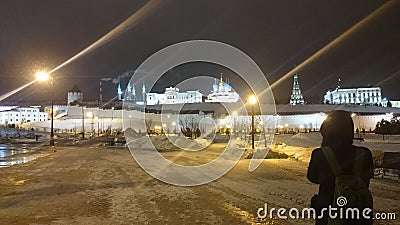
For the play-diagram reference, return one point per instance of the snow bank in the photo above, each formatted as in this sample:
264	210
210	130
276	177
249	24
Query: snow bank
168	143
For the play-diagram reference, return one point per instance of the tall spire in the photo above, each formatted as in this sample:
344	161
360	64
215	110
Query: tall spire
133	89
339	82
128	92
119	91
144	93
143	88
296	96
129	88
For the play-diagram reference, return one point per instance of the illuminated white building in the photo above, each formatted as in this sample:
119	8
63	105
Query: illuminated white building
359	96
222	92
395	104
173	96
19	115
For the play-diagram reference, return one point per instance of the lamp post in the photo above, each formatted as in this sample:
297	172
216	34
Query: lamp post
83	122
43	76
252	101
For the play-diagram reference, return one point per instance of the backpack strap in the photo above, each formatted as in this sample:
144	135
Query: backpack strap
358	161
331	158
333	163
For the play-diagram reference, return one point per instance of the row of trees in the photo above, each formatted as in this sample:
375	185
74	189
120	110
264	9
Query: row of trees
388	127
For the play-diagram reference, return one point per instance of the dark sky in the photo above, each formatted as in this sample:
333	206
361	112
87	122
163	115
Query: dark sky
276	34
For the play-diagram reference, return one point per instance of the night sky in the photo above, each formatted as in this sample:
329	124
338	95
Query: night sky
277	35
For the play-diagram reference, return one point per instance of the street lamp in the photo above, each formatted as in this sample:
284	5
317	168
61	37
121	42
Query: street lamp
252	100
44	76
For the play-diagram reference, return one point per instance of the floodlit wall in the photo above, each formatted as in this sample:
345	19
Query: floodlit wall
103	119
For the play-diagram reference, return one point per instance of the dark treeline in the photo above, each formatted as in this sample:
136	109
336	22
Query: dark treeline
388	127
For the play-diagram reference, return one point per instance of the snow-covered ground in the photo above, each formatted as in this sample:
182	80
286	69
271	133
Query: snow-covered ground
301	145
391	143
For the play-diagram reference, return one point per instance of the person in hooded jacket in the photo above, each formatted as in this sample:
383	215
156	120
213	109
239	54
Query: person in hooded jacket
337	132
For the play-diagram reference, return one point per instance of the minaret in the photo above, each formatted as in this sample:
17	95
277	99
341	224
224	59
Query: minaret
144	93
128	92
296	97
119	91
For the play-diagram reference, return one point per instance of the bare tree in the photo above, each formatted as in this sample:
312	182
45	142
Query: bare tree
267	126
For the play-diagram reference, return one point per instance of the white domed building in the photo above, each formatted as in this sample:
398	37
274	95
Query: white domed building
222	92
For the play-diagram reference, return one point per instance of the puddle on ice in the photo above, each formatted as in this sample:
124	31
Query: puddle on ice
15	154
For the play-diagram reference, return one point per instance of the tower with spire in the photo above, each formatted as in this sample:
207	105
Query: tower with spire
296	97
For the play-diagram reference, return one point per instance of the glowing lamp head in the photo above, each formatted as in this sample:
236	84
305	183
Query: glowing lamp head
252	99
42	76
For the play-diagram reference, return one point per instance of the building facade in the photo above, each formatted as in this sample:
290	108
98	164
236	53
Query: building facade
173	96
394	103
359	96
220	92
19	115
